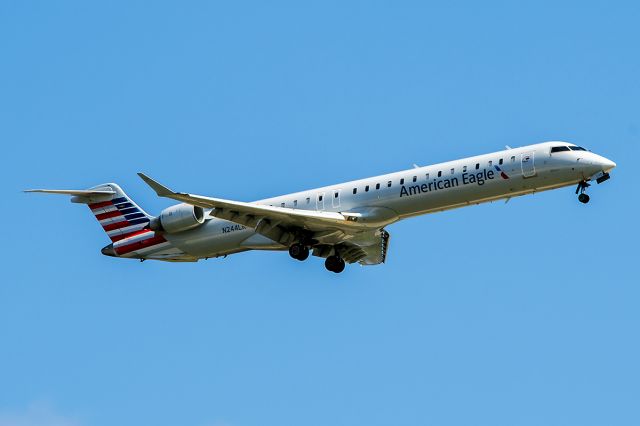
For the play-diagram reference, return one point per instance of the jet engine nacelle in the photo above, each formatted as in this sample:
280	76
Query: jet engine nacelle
178	218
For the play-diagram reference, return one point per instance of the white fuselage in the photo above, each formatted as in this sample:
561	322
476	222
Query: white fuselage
417	191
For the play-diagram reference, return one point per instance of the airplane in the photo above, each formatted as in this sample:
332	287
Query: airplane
342	223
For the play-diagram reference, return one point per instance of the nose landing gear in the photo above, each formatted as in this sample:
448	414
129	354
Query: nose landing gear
582	187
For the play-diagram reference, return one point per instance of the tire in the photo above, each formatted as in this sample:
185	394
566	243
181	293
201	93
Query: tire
334	264
304	254
295	250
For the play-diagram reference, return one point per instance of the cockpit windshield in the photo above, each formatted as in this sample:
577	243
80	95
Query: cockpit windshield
577	148
559	148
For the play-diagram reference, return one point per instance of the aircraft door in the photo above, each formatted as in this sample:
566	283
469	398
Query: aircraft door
528	164
335	199
320	201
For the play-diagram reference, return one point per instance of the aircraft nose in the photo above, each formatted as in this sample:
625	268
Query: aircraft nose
607	164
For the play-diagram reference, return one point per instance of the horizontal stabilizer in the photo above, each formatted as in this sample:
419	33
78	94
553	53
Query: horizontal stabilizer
78	192
96	194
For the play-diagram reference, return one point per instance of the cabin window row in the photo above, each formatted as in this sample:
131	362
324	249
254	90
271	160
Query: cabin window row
451	171
402	180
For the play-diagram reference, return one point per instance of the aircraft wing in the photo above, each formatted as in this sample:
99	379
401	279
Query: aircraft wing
277	223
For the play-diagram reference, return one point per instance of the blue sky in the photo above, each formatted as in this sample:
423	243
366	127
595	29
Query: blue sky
517	314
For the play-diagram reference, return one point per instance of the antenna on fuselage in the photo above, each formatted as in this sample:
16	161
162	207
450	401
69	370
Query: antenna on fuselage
415	166
508	147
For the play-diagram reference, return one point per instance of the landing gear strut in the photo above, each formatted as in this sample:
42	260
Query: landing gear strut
298	251
334	264
582	186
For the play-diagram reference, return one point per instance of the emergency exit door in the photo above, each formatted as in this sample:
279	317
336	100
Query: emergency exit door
528	164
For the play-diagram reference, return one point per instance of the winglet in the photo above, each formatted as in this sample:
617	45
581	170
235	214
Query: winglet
160	189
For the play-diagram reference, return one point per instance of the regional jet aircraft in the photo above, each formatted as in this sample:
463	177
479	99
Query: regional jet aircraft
342	223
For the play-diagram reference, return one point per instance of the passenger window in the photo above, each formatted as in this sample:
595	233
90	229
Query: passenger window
452	171
366	188
500	162
427	176
490	163
402	181
415	178
377	186
477	166
513	158
308	200
439	173
335	194
320	198
295	203
464	168
389	184
281	204
355	190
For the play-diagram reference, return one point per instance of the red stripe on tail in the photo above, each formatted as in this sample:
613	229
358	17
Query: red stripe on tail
99	205
116	225
140	245
108	215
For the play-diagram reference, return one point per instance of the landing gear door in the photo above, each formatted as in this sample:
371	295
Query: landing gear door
320	201
528	164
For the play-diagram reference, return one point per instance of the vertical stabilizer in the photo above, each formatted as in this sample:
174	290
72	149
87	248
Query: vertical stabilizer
119	215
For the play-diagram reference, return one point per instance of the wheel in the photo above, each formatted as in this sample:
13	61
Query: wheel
295	250
583	198
304	254
334	264
298	251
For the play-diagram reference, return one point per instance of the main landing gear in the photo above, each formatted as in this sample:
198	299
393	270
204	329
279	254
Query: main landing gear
334	264
299	251
582	197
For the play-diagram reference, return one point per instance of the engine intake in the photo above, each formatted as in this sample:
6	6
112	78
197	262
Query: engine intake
178	218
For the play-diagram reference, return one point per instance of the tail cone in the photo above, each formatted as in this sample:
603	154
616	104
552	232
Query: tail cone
108	251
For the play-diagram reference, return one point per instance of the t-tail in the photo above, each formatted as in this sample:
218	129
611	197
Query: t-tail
125	223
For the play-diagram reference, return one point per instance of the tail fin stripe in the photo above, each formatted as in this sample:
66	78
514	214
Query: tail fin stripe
117	225
119	200
135	237
112	220
135	234
134	215
103	210
108	215
125	230
124	205
117	238
140	244
137	221
124	224
99	205
129	210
